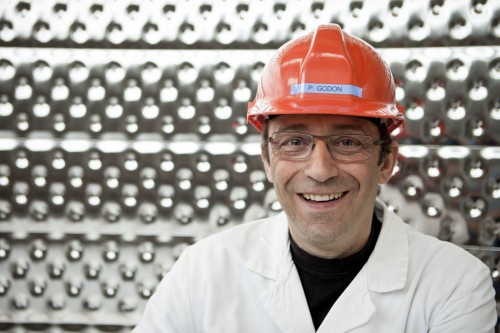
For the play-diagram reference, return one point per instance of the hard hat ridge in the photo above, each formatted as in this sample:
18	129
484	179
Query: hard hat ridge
327	50
326	72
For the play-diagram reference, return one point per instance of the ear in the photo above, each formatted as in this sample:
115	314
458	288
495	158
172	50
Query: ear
387	167
264	156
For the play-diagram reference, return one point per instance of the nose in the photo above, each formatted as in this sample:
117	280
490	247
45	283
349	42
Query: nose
320	164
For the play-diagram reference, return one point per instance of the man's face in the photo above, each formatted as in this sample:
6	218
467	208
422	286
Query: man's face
336	227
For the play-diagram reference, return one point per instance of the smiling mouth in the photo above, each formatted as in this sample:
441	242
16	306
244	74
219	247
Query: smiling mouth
323	197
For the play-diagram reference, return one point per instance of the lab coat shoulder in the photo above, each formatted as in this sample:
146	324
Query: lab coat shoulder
203	290
459	285
446	289
411	283
238	241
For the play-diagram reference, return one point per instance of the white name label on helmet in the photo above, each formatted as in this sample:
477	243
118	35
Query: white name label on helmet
323	88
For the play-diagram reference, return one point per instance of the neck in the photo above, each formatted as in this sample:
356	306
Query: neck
336	248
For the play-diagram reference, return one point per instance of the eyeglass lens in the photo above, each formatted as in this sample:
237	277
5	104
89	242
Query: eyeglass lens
346	147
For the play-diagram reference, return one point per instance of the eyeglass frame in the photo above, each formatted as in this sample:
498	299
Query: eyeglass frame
326	138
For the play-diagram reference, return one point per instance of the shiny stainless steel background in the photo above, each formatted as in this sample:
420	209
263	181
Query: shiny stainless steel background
123	137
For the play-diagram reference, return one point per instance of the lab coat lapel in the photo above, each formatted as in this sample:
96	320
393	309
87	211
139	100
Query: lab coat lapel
387	268
284	298
286	303
386	271
352	309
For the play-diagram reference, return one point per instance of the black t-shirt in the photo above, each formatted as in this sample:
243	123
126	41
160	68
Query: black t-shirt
324	280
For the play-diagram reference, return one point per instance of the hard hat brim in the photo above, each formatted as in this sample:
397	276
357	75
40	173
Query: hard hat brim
347	107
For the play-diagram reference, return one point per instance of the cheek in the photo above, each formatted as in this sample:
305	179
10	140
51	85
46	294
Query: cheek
267	166
279	172
268	171
366	176
273	174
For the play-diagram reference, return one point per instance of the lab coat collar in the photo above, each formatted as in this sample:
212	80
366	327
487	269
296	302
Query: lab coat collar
271	252
387	267
284	300
385	271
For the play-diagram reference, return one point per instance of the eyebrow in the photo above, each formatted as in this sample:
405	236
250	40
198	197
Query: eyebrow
303	127
292	127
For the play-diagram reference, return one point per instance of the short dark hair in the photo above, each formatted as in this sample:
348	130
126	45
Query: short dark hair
385	147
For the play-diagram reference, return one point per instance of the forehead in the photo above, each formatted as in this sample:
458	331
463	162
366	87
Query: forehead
322	124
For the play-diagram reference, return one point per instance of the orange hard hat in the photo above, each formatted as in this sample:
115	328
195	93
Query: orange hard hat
326	72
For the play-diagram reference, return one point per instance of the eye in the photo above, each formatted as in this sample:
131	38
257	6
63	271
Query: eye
292	140
348	141
296	141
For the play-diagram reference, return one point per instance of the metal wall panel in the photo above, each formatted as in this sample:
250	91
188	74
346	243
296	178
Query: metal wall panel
123	137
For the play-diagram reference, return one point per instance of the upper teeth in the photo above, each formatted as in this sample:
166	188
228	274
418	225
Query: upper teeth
322	197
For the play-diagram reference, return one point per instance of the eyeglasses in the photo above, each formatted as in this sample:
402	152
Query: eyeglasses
345	147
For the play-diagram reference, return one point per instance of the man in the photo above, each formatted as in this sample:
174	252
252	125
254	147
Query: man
336	259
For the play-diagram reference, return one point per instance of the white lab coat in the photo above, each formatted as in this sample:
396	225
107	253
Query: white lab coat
244	280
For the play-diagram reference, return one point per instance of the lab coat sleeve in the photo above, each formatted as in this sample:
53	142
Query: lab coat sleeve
169	309
470	307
